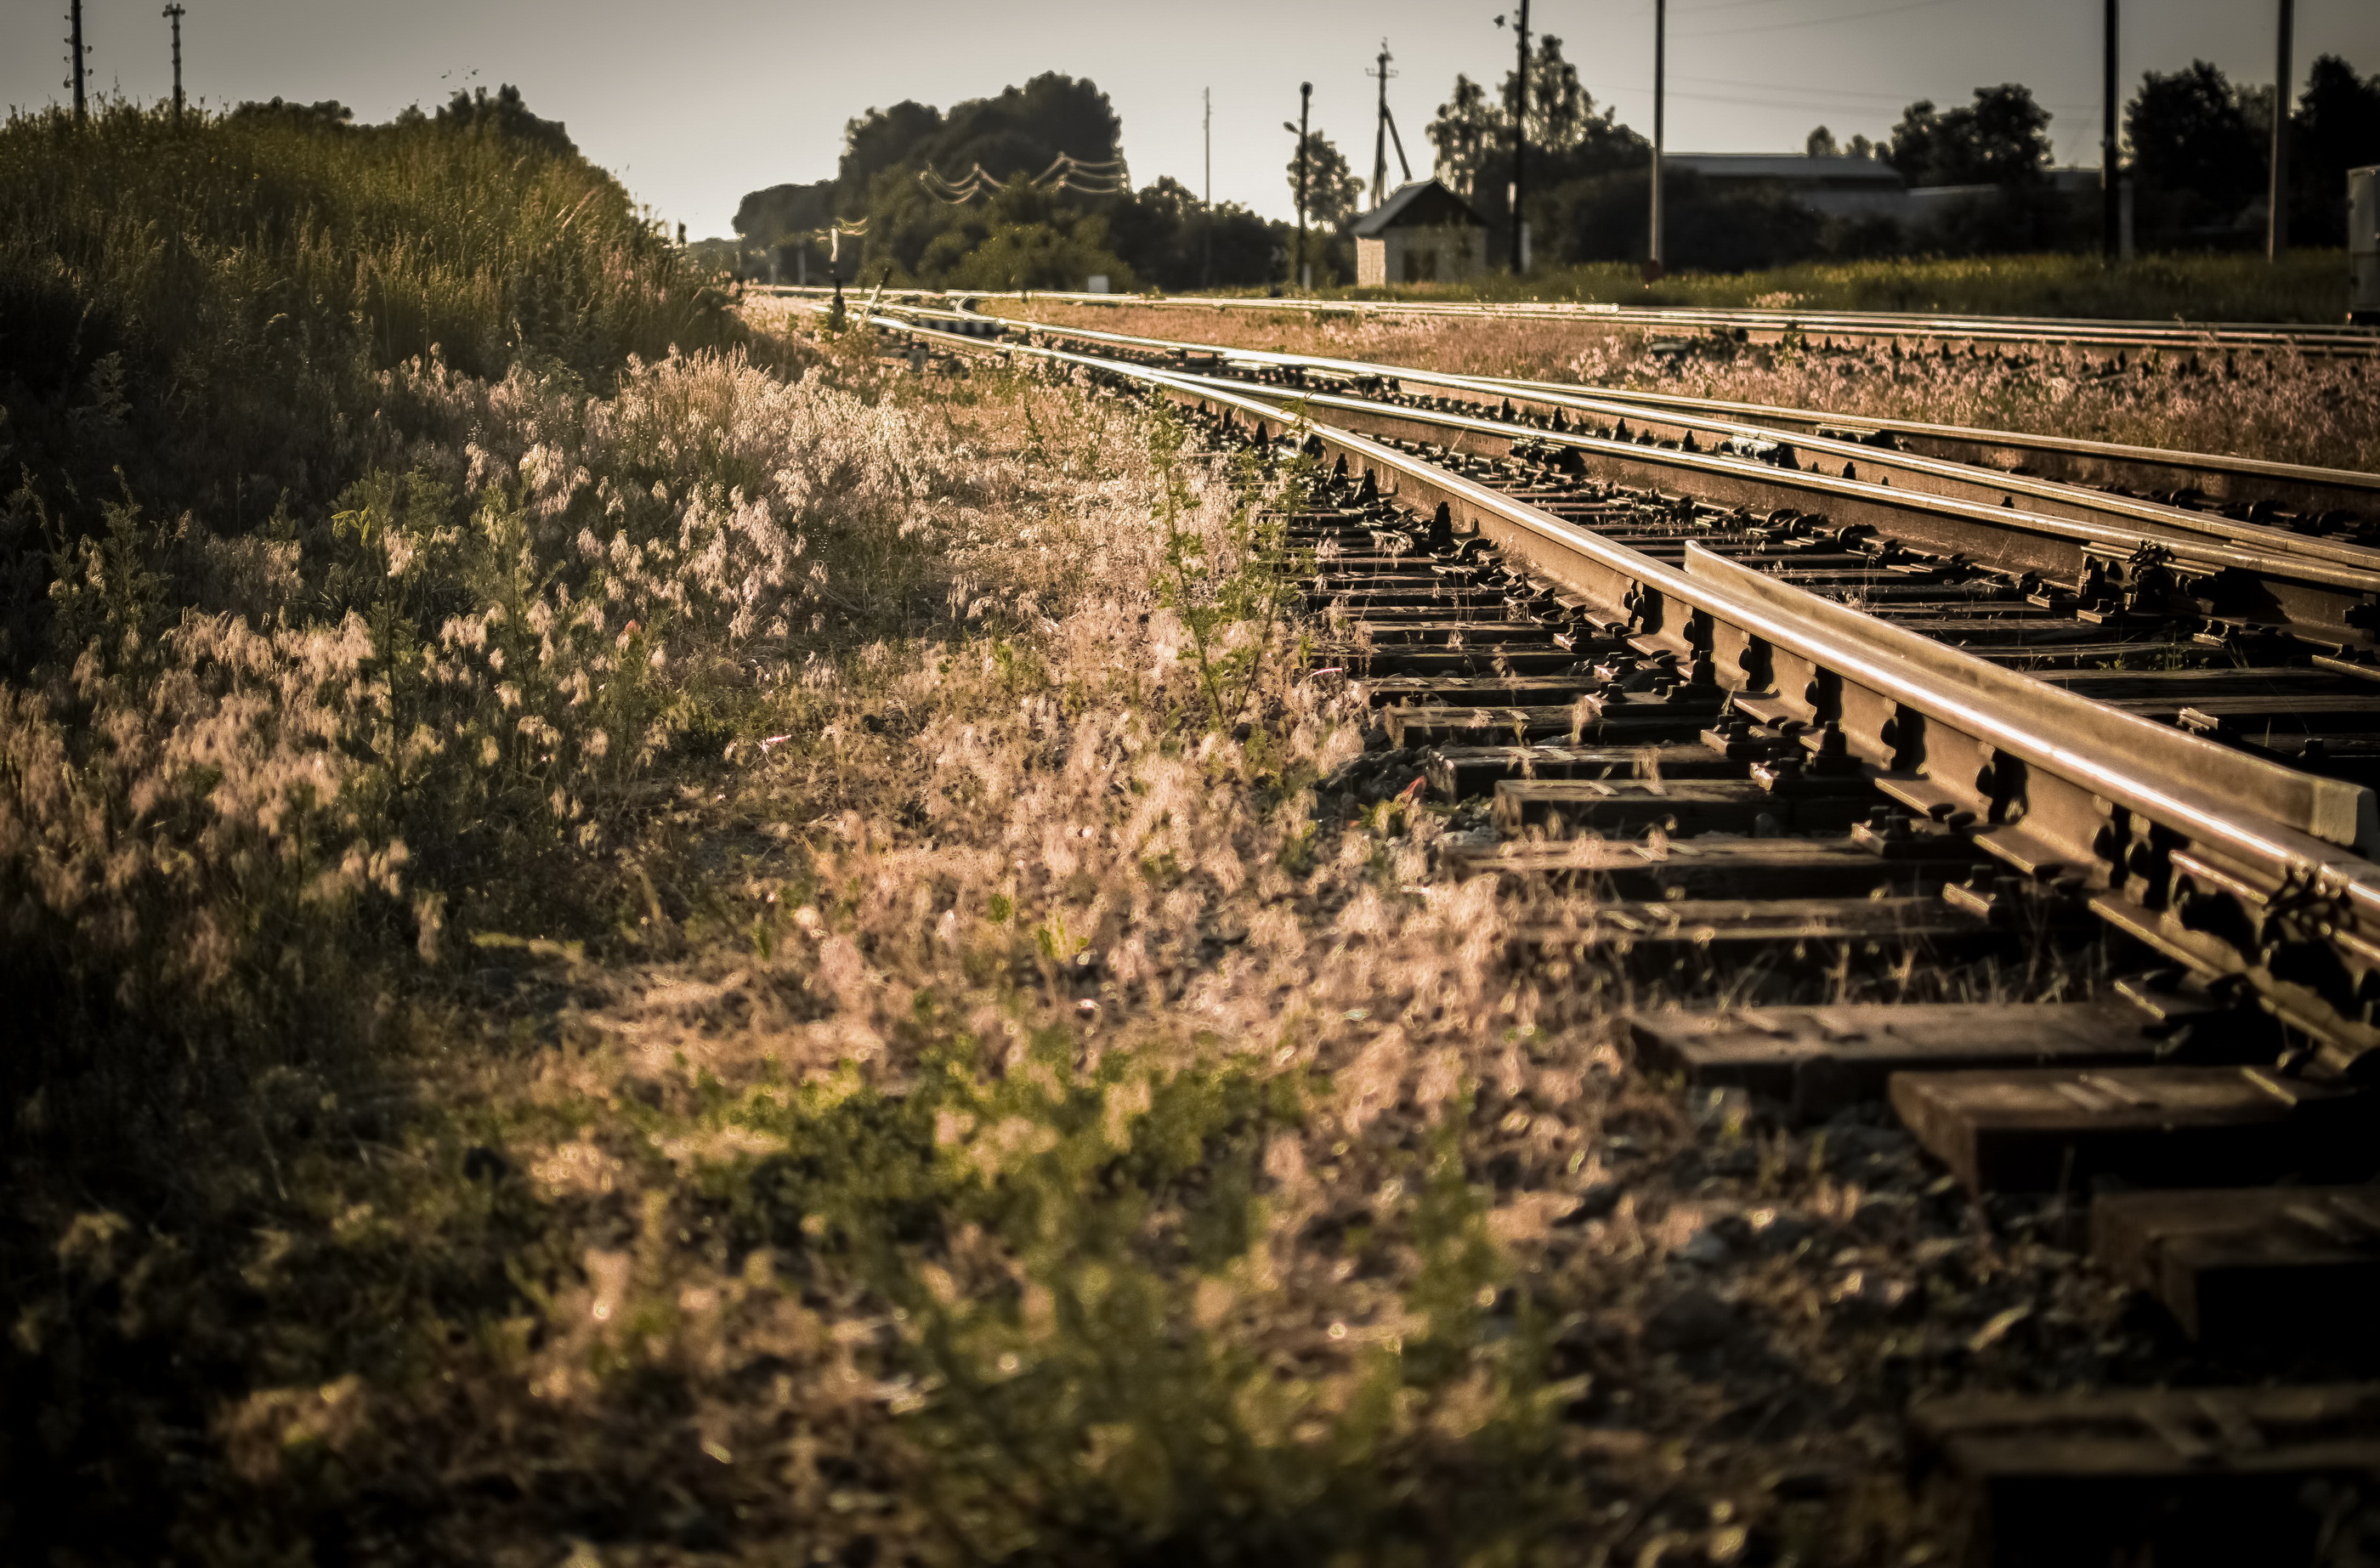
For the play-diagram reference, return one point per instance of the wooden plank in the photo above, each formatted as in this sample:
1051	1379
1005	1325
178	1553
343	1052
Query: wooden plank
1445	633
1408	726
1816	925
2250	1266
1483	691
2172	1477
1563	807
2057	1129
1493	660
1703	866
1818	1060
1460	771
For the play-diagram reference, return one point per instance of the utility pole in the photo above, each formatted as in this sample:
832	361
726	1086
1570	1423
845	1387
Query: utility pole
1300	276
1661	75
173	13
2110	198
77	71
2277	226
1207	213
1381	132
1521	140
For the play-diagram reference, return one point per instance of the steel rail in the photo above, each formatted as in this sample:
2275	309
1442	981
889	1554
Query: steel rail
2080	461
1939	474
2246	871
1901	326
2251	574
2311	596
2029	332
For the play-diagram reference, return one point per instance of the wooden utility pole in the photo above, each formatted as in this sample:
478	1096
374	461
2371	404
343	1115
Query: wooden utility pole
1206	201
1521	140
1654	260
1297	272
2110	199
1381	132
174	14
77	71
2276	224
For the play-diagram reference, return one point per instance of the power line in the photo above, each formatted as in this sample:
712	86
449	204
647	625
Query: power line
1092	176
1826	21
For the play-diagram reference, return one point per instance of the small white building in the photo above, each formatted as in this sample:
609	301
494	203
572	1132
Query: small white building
1424	233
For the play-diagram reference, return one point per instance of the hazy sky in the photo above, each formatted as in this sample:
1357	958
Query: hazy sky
695	102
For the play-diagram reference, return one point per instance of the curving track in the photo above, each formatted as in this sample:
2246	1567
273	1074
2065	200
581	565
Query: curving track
1805	751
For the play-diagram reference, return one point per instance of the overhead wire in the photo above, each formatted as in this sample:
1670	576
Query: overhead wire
1090	176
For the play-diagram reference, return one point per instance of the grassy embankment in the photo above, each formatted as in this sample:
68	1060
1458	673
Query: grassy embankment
2308	285
2274	405
636	950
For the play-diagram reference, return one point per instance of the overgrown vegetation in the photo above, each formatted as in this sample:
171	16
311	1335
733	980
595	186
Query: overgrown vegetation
538	1021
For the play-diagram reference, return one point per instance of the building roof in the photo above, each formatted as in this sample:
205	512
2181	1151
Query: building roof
1840	169
1424	203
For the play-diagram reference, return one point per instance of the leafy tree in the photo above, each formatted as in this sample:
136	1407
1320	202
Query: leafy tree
1465	132
878	142
1560	112
2000	139
2193	152
507	116
1023	235
1332	191
1570	143
771	215
1173	240
2336	127
327	114
1820	143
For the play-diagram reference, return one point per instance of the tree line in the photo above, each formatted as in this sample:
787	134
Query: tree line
2195	147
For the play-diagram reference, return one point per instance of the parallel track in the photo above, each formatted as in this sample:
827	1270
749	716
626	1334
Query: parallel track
1931	329
2298	498
2061	548
1629	690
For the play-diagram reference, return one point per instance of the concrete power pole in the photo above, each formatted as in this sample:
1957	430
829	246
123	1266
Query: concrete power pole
2110	199
1300	274
2277	226
77	73
1521	143
1207	210
174	14
1654	261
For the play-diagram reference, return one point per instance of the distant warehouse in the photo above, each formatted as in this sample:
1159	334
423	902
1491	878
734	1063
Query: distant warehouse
1842	186
1424	233
1835	187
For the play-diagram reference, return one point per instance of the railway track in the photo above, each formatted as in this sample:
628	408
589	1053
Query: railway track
2145	482
1929	330
1910	329
2032	571
1629	683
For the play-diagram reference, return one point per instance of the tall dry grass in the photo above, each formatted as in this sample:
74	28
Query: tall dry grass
196	311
